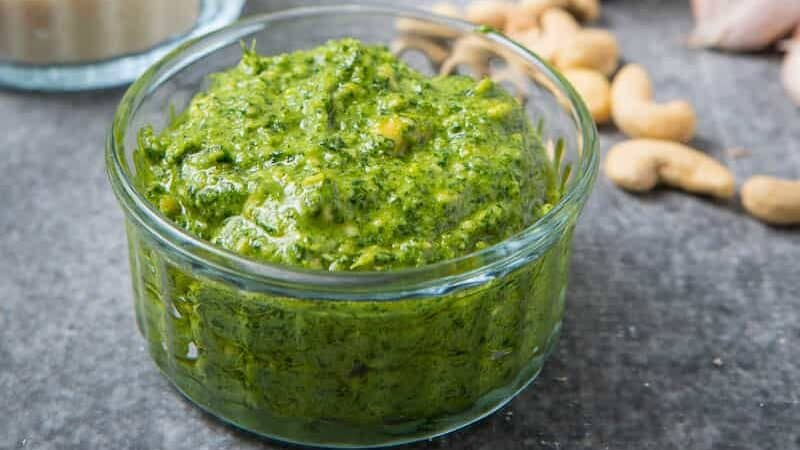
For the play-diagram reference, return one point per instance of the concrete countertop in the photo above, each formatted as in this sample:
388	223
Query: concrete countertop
683	320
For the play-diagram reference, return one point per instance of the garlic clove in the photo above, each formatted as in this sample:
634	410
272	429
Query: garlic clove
791	67
743	25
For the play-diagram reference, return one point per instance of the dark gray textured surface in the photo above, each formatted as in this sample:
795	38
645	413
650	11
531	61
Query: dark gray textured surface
662	285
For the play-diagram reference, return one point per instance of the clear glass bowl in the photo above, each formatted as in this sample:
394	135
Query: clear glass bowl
349	359
52	17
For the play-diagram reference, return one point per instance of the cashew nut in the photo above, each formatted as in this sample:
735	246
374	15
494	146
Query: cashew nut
430	29
640	164
561	41
557	26
471	51
585	10
493	13
595	90
590	48
435	52
772	200
638	116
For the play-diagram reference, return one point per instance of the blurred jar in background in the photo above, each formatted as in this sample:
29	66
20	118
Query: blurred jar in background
65	45
70	31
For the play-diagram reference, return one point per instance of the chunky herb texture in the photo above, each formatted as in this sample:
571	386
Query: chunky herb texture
344	158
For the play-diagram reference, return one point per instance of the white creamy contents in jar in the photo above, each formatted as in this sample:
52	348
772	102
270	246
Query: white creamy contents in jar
73	31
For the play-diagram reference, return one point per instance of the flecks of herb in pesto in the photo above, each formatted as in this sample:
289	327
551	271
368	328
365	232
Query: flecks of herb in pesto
344	158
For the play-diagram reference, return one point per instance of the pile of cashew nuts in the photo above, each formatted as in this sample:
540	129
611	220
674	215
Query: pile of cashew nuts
657	153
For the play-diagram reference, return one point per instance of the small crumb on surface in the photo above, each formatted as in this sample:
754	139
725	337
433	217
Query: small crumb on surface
737	153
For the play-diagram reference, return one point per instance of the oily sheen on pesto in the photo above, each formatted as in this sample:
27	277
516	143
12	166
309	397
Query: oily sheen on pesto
342	158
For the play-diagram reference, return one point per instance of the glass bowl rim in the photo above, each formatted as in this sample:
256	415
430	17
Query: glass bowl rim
432	279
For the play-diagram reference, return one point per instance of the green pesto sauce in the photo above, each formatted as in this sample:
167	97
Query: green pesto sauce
344	158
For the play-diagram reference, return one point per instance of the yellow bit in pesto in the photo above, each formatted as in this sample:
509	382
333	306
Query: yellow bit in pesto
344	158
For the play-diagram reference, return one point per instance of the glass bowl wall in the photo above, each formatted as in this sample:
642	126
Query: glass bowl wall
351	359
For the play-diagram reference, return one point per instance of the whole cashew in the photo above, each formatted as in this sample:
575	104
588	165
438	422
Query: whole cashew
430	29
561	41
471	51
638	116
556	27
437	53
590	48
640	164
595	90
772	200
